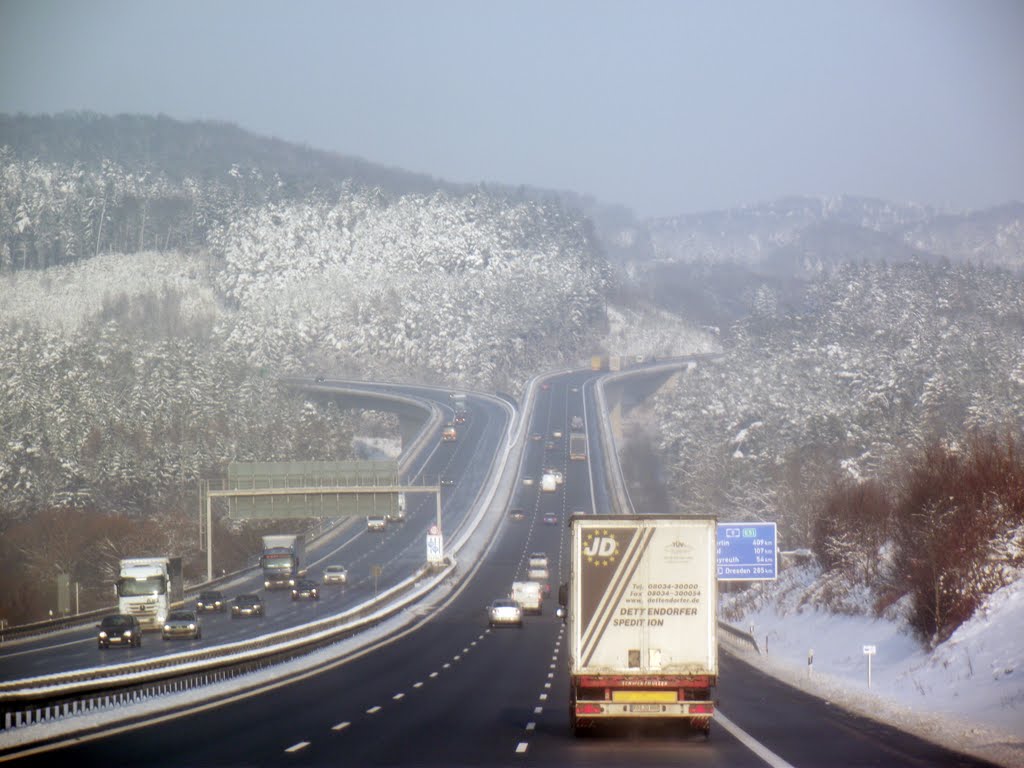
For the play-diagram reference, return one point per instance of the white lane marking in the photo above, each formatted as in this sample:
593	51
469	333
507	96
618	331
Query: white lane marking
530	726
418	685
297	747
372	710
551	666
481	636
446	665
433	674
465	650
456	657
538	710
472	644
550	675
750	742
521	747
341	726
543	697
398	696
547	685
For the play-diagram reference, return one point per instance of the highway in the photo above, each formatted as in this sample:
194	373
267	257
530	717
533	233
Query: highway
398	552
448	691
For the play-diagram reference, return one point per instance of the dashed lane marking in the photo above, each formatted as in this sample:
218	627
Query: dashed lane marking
297	747
398	696
341	726
521	747
418	685
372	710
530	726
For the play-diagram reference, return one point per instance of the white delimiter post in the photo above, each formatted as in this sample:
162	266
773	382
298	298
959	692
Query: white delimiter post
869	651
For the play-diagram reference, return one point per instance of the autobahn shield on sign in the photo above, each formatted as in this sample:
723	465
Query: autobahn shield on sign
747	552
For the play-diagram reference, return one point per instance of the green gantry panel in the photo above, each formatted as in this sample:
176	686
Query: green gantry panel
312	474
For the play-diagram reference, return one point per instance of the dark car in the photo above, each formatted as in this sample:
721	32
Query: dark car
516	513
182	623
211	601
247	605
119	629
305	589
536	436
550	518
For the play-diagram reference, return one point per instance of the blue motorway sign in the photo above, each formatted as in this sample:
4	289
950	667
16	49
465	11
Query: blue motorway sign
747	552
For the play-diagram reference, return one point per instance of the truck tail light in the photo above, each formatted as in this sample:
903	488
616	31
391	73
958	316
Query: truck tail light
702	709
589	709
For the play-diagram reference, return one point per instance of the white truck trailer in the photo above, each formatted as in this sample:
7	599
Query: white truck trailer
641	615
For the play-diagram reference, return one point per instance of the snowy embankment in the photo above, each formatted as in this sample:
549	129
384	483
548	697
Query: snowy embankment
967	694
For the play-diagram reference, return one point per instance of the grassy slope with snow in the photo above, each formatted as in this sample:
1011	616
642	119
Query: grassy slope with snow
968	693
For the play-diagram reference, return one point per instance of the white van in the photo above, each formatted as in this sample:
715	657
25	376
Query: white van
529	595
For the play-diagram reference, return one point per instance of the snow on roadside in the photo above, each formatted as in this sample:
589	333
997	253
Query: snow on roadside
967	694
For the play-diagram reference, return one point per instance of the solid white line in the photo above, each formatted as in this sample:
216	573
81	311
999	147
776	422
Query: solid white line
297	747
521	747
750	742
372	710
341	726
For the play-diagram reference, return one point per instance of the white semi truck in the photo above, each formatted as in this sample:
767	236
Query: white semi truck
640	606
148	587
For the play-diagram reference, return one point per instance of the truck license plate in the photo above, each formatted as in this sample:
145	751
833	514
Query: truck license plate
645	708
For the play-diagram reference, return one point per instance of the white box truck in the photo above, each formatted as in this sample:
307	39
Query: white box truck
641	615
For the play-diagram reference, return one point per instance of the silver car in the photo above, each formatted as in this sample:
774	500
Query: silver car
184	624
504	611
335	574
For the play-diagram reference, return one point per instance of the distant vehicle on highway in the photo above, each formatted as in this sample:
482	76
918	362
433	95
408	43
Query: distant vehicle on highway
182	624
449	433
517	513
119	629
528	481
550	518
376	523
504	611
305	590
536	436
247	605
335	574
211	601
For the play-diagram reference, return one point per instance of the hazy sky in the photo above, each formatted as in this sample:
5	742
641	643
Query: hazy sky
667	107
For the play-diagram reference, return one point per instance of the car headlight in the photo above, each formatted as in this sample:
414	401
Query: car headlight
103	635
192	627
127	633
167	627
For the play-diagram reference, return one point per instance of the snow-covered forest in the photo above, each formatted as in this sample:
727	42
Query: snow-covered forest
885	364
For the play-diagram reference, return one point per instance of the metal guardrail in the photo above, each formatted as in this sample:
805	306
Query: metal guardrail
739	634
34	700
